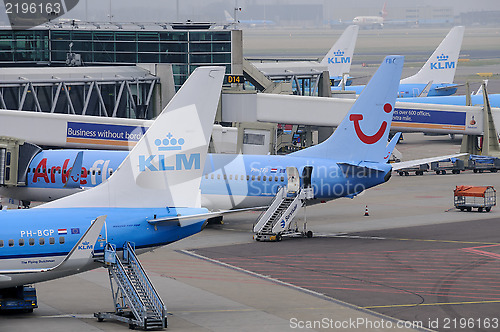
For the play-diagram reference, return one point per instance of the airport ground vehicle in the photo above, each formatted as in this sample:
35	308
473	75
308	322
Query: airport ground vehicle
480	197
479	164
18	298
454	165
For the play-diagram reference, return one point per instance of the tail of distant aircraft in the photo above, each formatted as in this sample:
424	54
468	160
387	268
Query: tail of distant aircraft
383	12
362	135
442	65
164	168
339	57
228	16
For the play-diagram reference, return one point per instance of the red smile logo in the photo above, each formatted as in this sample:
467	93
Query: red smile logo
366	138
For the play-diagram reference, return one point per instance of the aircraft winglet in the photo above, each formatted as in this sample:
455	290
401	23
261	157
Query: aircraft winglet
76	170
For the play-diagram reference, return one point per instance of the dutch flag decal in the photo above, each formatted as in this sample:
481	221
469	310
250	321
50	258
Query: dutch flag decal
62	231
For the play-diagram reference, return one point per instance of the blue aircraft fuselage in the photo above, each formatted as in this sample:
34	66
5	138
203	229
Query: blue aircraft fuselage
410	90
228	181
457	100
41	238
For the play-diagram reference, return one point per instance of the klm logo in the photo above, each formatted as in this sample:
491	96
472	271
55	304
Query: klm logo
443	63
339	58
182	160
85	246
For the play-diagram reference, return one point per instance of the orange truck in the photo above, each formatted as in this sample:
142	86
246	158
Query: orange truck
480	197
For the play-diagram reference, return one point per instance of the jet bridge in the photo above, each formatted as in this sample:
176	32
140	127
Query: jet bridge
329	112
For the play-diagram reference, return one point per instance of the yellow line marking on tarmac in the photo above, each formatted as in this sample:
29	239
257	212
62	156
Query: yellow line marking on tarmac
429	304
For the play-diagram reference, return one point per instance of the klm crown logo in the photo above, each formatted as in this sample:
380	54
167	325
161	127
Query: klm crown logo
158	162
442	57
169	143
442	63
339	58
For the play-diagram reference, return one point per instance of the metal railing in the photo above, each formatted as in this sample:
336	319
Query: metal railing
150	292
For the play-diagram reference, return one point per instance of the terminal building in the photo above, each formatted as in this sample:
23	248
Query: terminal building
184	46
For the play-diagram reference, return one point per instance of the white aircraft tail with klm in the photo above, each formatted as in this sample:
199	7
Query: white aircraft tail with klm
442	64
339	57
165	166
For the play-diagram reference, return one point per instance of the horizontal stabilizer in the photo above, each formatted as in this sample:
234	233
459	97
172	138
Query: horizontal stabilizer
187	220
448	87
364	167
411	163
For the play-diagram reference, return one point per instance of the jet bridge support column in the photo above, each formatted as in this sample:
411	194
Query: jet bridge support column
489	146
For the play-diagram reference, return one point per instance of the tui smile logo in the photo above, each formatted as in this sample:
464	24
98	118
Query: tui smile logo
367	139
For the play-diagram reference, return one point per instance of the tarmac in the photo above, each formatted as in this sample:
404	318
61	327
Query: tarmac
414	260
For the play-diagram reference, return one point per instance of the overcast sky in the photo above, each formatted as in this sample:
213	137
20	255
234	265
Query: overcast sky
212	10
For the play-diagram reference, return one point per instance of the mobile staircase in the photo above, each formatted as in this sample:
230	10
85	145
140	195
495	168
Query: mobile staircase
136	300
276	221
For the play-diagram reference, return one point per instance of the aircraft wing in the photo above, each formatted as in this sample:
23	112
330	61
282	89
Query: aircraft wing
411	163
77	253
448	87
187	220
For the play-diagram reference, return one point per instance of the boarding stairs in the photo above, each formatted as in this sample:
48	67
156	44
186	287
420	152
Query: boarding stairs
276	221
134	296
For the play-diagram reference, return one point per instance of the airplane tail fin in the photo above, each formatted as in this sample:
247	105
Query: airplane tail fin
442	65
363	134
228	16
164	168
383	12
339	57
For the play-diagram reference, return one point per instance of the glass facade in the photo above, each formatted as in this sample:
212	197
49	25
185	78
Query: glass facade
184	49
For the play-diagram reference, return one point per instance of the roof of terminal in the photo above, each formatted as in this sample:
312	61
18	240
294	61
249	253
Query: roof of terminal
67	24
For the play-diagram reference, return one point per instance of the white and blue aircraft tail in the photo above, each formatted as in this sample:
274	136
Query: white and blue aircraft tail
144	201
361	138
442	64
339	57
436	77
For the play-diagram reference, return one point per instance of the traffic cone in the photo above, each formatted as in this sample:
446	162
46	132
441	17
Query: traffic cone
366	211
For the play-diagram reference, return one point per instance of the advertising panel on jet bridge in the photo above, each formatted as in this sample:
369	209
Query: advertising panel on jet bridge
434	118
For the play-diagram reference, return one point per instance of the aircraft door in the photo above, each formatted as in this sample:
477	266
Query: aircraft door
293	183
306	176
